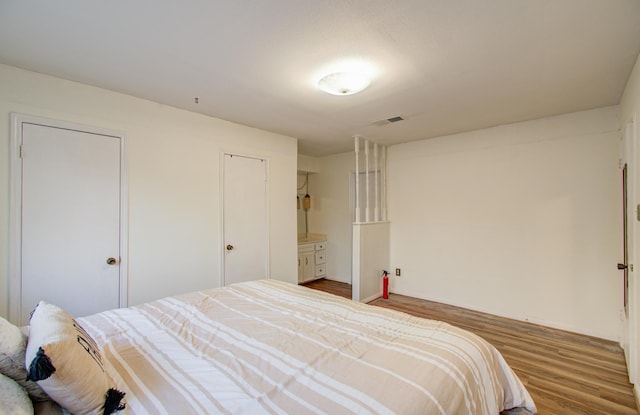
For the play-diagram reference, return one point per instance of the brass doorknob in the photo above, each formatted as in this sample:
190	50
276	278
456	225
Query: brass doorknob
112	261
229	247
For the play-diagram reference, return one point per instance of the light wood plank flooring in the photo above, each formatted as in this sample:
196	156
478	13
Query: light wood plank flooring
334	287
566	373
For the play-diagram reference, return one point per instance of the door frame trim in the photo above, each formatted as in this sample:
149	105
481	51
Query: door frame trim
630	155
267	218
15	206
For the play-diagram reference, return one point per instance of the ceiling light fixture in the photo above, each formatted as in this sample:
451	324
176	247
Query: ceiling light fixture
344	83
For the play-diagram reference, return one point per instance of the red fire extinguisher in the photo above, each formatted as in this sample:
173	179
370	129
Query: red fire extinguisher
385	285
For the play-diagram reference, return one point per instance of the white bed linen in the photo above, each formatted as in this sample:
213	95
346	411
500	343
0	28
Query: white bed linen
276	348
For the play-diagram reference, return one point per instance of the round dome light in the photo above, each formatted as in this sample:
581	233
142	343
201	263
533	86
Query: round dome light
344	83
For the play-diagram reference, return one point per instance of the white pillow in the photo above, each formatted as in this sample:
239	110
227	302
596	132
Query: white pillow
13	399
13	343
67	363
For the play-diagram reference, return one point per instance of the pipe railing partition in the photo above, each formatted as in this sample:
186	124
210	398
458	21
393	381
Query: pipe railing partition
379	181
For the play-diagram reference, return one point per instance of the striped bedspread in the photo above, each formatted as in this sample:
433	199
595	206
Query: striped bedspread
277	348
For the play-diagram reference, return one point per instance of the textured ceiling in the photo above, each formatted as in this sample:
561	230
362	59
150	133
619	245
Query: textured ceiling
446	66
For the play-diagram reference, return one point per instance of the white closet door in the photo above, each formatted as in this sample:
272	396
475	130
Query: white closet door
245	219
70	219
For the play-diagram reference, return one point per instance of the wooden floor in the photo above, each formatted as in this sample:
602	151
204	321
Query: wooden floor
334	287
565	373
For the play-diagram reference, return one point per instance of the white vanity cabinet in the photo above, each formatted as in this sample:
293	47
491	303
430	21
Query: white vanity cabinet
312	257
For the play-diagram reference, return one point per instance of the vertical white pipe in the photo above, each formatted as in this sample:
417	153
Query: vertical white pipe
376	210
356	140
367	212
384	183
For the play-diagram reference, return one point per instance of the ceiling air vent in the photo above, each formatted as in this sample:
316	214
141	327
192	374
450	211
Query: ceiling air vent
388	120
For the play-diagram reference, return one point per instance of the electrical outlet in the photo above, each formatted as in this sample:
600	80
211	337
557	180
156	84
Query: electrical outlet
397	272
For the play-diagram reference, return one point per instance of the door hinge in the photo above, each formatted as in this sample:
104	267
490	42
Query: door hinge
20	151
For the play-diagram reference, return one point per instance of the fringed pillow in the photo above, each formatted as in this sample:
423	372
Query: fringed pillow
13	399
67	363
13	343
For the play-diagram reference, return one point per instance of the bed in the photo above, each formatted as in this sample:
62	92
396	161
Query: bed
269	347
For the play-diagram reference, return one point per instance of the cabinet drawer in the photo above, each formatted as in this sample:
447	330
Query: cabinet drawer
306	248
321	257
320	270
320	246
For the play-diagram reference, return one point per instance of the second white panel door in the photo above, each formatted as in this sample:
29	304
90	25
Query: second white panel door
245	219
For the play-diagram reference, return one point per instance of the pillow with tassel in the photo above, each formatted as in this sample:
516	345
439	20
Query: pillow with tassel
67	363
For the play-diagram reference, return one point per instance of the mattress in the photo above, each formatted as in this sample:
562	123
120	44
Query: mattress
269	347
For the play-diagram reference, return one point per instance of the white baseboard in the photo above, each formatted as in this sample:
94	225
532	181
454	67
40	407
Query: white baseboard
524	318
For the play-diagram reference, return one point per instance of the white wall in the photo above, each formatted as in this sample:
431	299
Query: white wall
308	164
522	220
630	112
174	181
630	102
330	212
370	259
